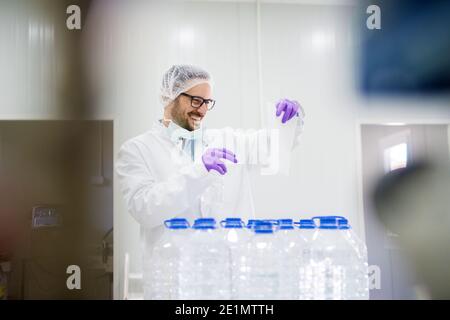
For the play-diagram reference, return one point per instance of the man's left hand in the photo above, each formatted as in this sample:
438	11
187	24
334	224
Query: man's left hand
289	107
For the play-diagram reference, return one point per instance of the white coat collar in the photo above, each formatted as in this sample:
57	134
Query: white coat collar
175	133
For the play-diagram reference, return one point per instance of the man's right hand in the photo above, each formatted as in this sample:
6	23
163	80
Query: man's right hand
212	159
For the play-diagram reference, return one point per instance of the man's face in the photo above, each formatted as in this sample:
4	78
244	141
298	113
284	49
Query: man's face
186	116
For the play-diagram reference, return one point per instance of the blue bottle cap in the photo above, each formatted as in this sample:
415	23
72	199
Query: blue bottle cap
232	223
306	224
332	222
204	223
327	222
285	224
251	223
176	223
343	224
263	227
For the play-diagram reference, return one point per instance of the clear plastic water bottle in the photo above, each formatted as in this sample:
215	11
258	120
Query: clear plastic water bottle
329	264
205	270
290	246
161	270
236	237
263	265
358	280
305	235
233	231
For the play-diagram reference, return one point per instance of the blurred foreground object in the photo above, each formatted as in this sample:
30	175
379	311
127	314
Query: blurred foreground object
414	202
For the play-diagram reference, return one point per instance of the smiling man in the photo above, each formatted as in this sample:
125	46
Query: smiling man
190	107
180	169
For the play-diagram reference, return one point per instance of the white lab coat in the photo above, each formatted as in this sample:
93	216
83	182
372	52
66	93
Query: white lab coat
160	181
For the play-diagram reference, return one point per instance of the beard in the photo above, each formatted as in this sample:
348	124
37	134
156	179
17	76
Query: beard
180	118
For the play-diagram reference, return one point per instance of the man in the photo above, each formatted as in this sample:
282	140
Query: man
179	169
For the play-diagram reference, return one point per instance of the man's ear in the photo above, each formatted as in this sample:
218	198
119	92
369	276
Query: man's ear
172	104
167	114
168	109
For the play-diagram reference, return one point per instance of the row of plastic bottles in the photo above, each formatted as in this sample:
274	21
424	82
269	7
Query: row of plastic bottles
263	259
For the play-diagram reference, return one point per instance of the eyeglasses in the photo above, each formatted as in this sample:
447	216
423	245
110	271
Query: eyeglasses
197	102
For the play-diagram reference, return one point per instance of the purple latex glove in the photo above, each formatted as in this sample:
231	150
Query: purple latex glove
289	107
212	159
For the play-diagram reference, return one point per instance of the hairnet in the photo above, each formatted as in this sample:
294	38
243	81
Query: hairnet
181	78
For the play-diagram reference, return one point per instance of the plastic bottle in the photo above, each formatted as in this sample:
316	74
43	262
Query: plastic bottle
305	235
205	270
358	281
233	231
162	270
236	237
329	261
263	266
290	246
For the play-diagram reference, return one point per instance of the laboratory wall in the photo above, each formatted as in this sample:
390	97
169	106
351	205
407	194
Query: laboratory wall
40	59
